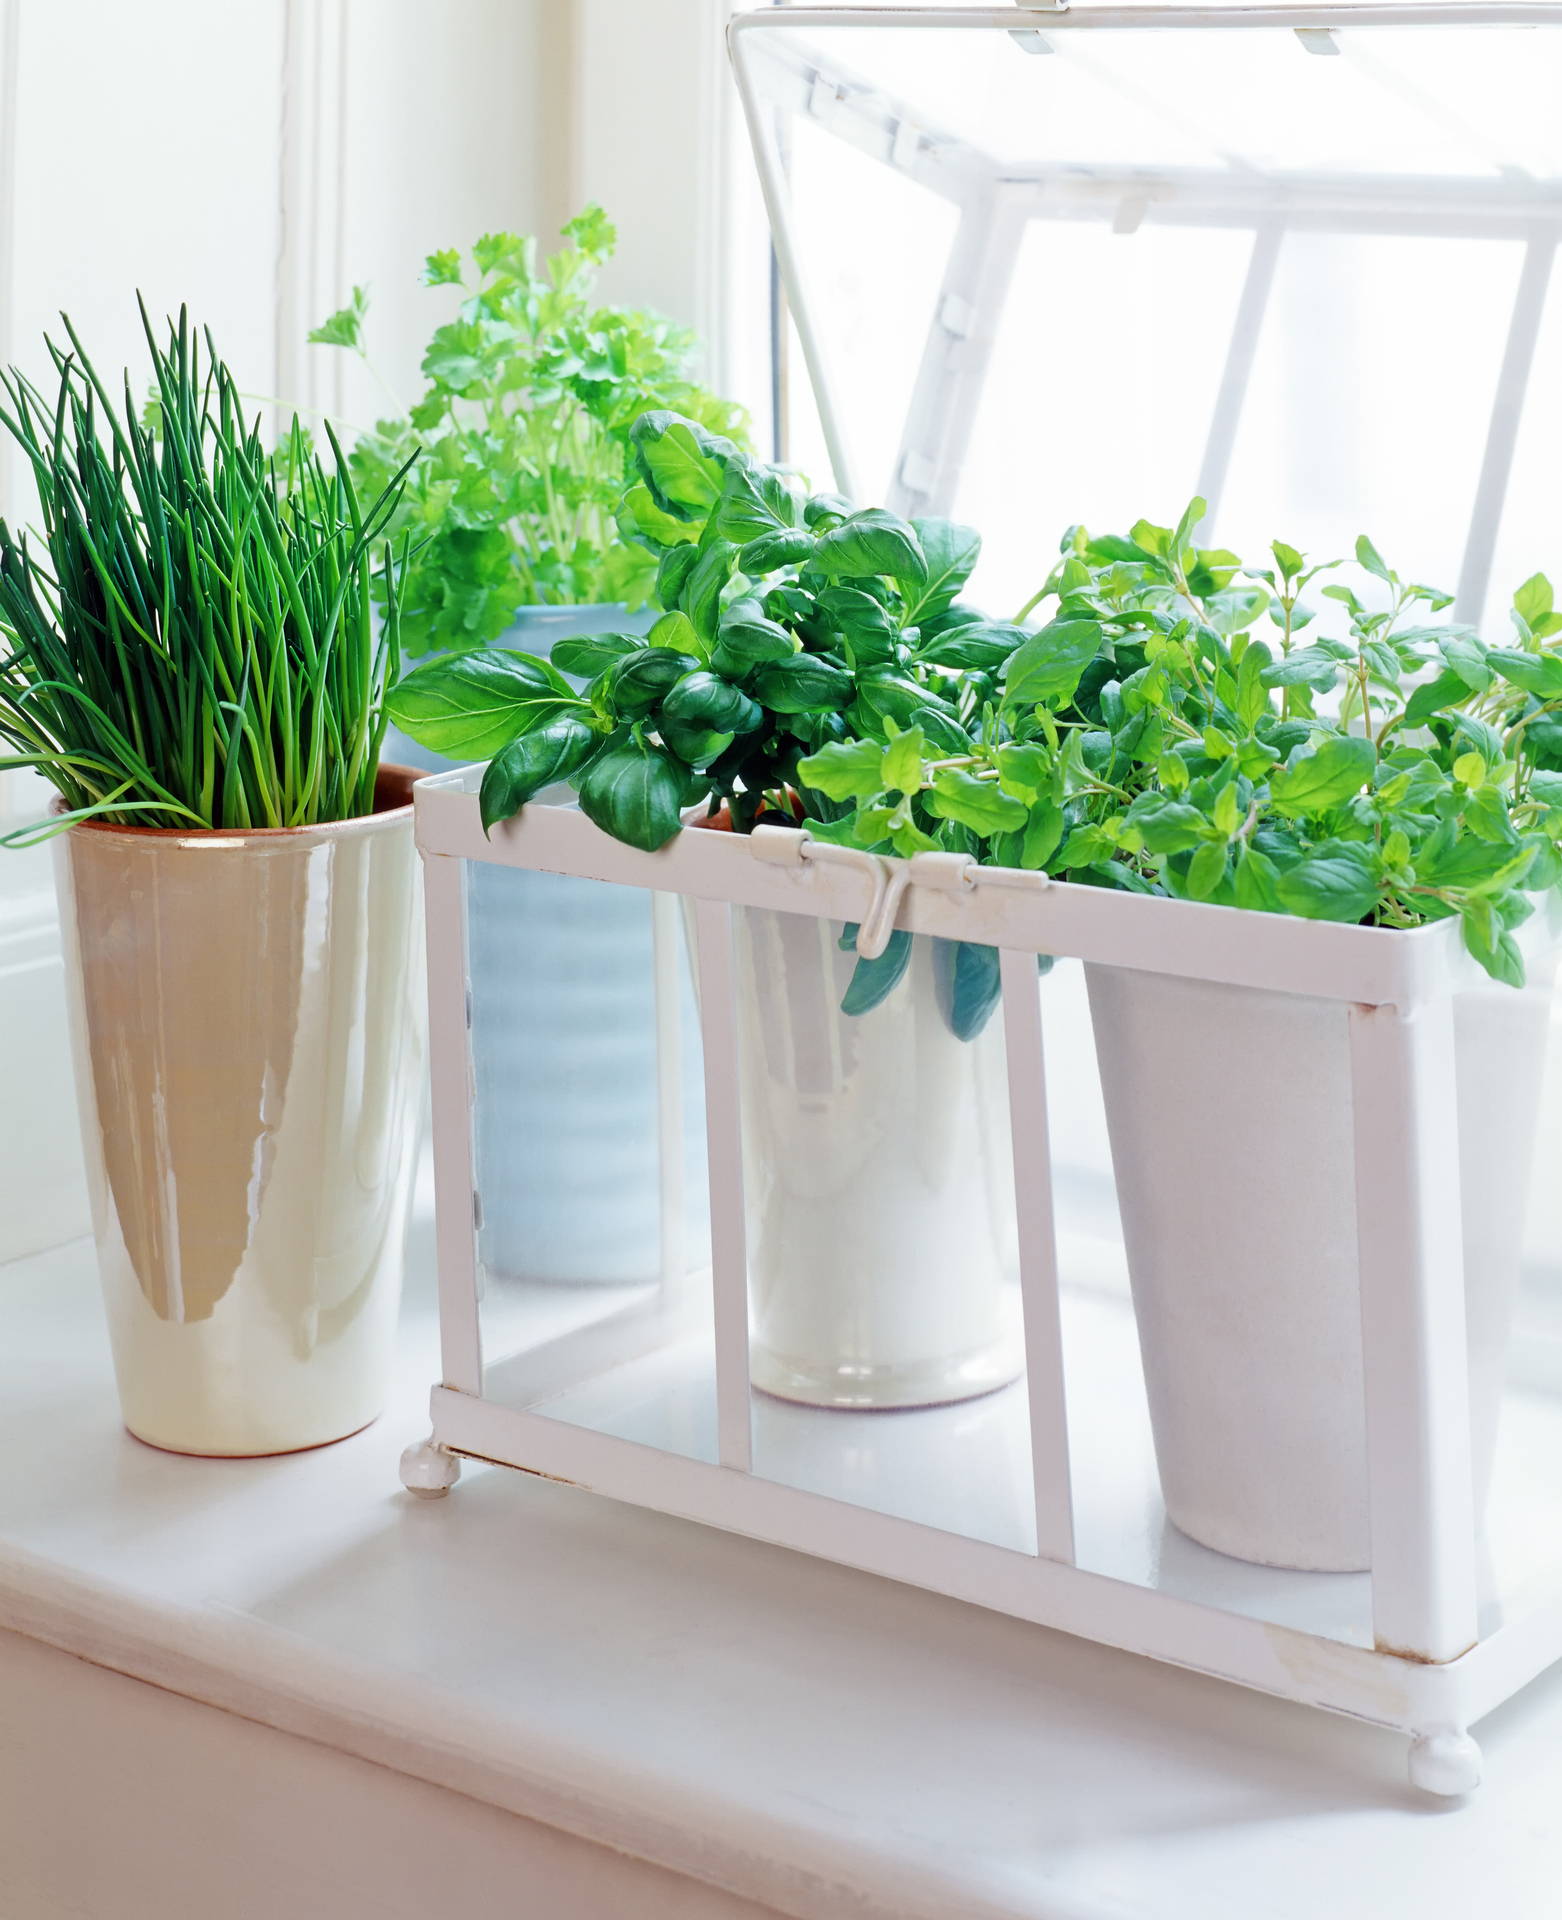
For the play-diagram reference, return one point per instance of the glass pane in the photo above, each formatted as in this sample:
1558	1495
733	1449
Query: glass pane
588	1124
1083	273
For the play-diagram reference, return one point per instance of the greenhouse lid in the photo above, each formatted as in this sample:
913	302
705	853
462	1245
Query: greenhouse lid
1048	267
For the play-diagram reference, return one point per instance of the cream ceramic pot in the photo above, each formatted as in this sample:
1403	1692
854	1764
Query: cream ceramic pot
248	1027
1230	1121
878	1178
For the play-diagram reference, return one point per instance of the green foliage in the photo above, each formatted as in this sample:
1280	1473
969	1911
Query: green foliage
1146	737
199	647
518	497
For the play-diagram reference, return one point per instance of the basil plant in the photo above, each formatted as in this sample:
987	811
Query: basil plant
1173	729
792	626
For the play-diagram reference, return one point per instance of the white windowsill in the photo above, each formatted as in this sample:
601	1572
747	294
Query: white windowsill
815	1739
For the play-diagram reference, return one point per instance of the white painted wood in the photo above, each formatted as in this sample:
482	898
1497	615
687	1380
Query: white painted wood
1413	1330
187	1804
451	1091
724	1147
473	1642
1038	1257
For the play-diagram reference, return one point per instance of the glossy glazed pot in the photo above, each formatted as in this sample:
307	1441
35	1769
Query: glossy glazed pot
563	1046
877	1175
1229	1111
248	1021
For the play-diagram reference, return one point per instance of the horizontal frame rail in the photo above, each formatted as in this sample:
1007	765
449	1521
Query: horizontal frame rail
1002	907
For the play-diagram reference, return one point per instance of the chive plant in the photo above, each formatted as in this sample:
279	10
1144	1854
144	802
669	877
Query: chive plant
197	650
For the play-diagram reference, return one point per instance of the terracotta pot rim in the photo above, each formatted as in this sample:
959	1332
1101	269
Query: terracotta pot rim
335	829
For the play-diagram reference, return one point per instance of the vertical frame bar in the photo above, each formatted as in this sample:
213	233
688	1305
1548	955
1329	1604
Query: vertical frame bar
450	1074
1411	1256
800	303
1038	1256
724	1137
1238	371
1507	414
669	1087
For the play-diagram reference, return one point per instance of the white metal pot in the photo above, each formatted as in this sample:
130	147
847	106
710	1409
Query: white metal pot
248	1029
878	1178
1229	1111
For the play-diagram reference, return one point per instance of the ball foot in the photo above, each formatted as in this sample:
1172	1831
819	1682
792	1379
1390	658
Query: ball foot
1445	1762
428	1471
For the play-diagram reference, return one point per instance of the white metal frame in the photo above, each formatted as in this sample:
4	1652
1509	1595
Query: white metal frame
777	72
1430	1675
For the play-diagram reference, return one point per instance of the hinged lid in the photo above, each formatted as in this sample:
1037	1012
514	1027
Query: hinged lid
1049	267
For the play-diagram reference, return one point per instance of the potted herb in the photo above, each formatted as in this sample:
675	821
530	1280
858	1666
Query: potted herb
194	667
520	444
881	1217
1149	737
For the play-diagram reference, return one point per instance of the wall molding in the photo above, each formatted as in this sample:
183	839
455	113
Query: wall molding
311	278
10	43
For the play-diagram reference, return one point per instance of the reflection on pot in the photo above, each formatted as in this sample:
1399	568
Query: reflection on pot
1229	1111
878	1177
248	1019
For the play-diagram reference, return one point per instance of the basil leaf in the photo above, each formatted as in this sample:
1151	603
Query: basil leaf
873	981
746	642
1048	666
968	983
683	465
903	701
701	597
640	518
469	705
825	506
951	552
983	645
589	654
786	547
702	715
743	512
634	793
1043	835
534	761
871	542
1338	882
672	575
1342	766
940	731
638	682
803	684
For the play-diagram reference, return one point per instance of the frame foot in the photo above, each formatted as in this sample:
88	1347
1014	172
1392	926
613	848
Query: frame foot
428	1471
1445	1761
